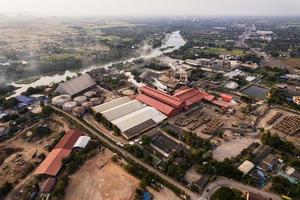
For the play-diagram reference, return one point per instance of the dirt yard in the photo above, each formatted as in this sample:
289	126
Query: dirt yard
232	148
18	159
111	182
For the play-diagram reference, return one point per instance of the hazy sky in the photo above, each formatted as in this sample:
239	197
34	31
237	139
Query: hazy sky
152	7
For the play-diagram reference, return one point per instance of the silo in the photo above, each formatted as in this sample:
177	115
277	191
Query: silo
60	100
69	106
78	111
80	100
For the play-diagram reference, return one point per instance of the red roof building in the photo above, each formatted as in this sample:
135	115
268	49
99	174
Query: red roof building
53	162
226	97
159	105
221	103
207	97
48	185
184	97
189	96
69	139
161	96
167	104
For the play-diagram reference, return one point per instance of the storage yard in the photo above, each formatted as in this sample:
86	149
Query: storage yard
92	182
288	126
24	152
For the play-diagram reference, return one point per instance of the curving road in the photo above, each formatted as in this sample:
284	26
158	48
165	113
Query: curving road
129	156
225	182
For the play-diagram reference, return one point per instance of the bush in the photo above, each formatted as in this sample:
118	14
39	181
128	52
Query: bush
47	110
10	103
5	189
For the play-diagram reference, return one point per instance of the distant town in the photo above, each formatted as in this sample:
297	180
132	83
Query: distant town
150	109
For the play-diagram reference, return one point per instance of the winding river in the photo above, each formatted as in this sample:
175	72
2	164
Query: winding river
172	42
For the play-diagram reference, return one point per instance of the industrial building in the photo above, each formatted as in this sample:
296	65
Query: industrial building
182	99
76	85
24	101
53	162
167	104
129	117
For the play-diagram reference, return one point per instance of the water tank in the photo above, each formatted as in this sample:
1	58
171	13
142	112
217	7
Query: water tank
96	101
69	106
60	100
78	111
87	105
80	100
90	94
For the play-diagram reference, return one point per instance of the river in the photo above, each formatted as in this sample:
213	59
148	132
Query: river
172	42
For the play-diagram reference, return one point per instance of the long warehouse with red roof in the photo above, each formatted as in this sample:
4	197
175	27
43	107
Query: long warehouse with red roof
53	162
172	105
167	104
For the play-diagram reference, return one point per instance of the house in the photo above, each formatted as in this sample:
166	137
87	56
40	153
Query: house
291	174
24	101
246	167
268	164
4	130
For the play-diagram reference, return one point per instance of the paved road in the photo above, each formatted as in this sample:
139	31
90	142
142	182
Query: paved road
129	156
242	39
225	182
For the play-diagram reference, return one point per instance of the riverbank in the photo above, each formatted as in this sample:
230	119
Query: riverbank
173	40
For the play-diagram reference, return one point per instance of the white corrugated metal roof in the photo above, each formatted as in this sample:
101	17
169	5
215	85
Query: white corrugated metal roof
110	104
82	141
75	85
123	109
159	118
135	118
246	167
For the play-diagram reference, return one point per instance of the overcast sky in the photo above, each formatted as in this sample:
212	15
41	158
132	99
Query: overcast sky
151	7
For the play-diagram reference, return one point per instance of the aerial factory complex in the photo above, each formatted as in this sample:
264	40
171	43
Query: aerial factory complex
168	109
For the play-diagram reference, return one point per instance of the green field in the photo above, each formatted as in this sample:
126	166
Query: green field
236	52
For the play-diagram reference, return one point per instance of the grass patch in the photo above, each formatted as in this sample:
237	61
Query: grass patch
237	52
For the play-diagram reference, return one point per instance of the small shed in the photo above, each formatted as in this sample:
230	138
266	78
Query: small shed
48	185
82	141
246	167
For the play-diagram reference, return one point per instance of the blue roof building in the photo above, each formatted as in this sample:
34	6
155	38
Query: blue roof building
25	100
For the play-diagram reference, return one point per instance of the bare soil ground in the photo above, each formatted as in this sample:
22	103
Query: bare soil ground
191	175
232	148
111	182
293	62
19	163
163	194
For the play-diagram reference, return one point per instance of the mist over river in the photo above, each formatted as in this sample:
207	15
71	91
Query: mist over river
173	41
